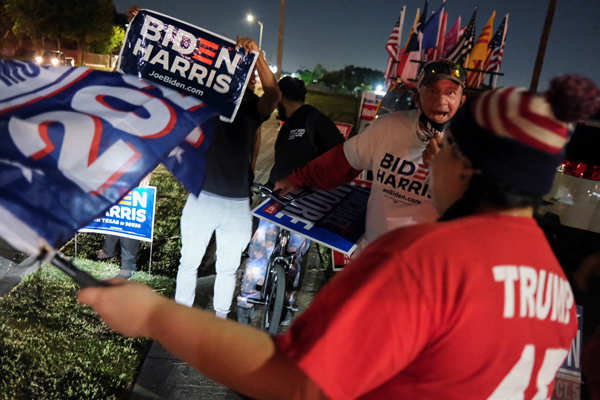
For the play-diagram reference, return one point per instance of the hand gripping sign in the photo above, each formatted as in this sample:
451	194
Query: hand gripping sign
187	58
334	218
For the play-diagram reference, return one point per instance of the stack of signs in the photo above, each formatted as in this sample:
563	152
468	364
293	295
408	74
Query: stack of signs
334	218
567	385
338	259
187	58
368	109
132	217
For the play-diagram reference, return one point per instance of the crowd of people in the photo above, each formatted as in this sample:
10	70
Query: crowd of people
454	293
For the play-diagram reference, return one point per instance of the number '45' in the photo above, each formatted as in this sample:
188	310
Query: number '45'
515	383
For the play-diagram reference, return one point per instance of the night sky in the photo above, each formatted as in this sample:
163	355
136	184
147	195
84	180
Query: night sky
336	33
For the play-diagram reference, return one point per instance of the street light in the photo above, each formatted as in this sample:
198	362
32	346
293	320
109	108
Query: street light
250	18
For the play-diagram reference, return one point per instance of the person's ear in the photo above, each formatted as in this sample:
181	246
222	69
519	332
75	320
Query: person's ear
417	99
467	173
463	99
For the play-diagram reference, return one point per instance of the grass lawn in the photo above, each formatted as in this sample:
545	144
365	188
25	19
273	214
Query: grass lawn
338	107
52	347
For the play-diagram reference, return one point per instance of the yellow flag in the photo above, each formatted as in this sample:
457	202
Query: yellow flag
480	50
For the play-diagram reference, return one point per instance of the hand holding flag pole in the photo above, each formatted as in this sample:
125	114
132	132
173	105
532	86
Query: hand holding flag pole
82	278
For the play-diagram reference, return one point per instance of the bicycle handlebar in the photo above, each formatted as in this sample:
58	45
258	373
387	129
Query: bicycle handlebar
265	191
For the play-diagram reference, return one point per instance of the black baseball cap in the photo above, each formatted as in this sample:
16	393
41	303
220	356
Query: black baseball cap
442	69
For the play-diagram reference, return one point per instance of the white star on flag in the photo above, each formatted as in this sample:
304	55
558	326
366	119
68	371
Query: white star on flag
177	152
26	171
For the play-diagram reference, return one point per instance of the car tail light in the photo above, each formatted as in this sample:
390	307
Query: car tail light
581	170
595	173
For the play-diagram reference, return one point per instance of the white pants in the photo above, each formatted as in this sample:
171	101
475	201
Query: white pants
231	220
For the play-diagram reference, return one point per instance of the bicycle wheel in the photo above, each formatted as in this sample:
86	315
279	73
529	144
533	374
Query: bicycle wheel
274	299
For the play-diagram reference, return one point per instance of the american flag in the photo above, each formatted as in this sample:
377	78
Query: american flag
392	44
496	46
465	44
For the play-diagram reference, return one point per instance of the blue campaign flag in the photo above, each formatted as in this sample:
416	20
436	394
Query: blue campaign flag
132	217
185	160
74	141
187	58
334	218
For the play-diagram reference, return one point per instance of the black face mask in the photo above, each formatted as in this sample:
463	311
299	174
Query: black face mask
426	128
281	112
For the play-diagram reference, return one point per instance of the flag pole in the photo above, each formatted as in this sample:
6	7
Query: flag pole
440	35
502	47
542	48
400	28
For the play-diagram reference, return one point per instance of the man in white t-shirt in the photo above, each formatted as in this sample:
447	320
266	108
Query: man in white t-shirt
392	147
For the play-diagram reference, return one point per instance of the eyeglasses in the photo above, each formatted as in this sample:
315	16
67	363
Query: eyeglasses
446	69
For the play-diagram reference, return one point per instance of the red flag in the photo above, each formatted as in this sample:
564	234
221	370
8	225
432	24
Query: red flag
451	38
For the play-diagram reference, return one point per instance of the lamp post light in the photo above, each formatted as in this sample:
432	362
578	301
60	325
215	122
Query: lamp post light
250	18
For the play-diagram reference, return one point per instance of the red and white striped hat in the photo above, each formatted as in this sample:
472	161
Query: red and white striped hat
516	137
523	116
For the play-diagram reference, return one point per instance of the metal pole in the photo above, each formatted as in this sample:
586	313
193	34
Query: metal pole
280	37
150	263
542	48
76	245
400	29
260	34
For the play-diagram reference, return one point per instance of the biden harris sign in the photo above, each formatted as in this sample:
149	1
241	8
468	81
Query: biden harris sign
132	217
334	218
187	58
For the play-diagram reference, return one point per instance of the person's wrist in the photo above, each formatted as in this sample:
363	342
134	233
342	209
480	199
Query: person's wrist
153	320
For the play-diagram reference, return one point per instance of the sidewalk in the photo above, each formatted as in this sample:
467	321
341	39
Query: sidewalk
12	273
163	376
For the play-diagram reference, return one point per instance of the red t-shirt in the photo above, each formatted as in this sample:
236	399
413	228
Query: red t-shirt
476	308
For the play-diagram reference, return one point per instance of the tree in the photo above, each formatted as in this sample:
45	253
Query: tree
84	22
6	22
28	17
353	78
319	71
88	21
306	76
111	44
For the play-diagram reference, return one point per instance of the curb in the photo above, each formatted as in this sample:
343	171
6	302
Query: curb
17	273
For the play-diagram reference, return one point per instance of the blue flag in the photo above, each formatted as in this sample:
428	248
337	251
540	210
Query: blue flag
186	160
73	141
430	30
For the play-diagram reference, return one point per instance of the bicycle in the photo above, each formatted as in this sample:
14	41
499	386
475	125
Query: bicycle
281	276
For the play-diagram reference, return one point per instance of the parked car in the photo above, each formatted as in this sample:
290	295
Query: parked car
52	58
571	220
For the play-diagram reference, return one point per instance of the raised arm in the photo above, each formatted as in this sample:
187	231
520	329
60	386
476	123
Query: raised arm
331	169
238	356
272	95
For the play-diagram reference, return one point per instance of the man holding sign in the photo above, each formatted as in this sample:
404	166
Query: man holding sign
223	206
